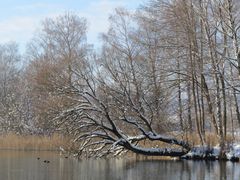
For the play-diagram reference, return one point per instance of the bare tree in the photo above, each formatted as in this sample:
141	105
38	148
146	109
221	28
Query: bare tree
13	115
58	47
116	108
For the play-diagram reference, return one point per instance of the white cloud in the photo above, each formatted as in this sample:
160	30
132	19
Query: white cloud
27	7
21	28
17	28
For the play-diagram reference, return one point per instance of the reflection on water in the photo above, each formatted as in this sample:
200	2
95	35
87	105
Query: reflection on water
20	165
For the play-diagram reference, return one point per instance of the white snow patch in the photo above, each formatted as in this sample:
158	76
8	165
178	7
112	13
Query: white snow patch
234	152
201	152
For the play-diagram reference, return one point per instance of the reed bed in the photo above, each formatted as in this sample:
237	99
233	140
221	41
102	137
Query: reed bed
34	142
211	139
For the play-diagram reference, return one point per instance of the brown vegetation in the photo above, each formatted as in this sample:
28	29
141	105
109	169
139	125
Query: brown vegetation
33	142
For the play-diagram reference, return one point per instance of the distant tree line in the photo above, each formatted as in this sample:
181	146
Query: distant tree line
171	68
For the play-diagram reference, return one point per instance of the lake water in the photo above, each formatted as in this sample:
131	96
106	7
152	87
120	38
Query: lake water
20	165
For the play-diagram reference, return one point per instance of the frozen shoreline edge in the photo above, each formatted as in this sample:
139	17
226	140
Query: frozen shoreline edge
213	153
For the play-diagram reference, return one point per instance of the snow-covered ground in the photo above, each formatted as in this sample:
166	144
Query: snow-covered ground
234	152
213	153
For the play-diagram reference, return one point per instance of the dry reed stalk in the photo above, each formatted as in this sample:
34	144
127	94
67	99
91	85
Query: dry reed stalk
34	142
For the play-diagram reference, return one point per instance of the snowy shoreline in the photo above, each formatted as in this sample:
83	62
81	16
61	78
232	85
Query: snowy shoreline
213	153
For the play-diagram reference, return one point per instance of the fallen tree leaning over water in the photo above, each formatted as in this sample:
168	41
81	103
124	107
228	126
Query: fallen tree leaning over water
114	113
104	128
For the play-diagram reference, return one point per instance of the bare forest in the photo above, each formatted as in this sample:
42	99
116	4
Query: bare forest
166	73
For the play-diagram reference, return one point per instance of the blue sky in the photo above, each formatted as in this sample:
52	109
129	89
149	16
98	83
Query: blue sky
19	19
